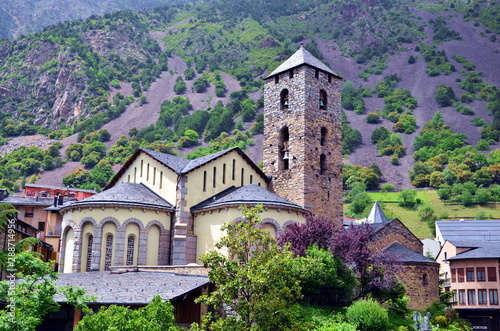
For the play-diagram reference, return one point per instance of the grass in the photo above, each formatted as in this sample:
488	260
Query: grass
410	218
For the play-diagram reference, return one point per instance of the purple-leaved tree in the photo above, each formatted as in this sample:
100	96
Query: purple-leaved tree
314	231
377	272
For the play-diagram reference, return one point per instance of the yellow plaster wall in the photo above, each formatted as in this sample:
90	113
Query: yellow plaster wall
164	176
196	177
153	245
207	226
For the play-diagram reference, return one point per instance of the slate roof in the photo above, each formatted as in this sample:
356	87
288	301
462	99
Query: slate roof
300	57
131	288
404	254
126	194
469	230
480	250
376	215
248	194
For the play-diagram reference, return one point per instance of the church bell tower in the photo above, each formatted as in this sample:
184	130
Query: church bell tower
302	144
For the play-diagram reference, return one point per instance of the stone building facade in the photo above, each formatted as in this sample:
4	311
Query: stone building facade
302	146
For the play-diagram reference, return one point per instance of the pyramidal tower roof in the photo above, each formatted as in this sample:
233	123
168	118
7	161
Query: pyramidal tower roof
300	57
376	215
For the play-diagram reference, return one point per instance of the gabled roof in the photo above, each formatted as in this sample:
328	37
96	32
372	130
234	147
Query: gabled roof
131	288
181	165
245	195
21	200
301	57
469	230
404	254
126	194
376	215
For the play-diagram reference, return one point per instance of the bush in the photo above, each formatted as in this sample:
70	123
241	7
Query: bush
442	321
387	187
369	315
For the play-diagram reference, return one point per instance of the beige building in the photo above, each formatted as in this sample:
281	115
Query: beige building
161	209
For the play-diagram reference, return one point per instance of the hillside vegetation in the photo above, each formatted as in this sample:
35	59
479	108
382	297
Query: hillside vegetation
189	78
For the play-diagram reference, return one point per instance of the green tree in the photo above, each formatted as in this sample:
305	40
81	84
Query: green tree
407	198
33	295
255	280
158	315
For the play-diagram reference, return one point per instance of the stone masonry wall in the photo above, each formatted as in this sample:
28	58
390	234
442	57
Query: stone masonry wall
303	183
422	284
396	232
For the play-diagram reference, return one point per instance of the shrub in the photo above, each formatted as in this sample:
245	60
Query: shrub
369	315
442	321
387	187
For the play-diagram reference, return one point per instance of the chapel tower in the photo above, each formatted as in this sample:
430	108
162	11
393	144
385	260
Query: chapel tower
302	144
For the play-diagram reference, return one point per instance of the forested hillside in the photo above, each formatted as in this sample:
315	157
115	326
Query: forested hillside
187	79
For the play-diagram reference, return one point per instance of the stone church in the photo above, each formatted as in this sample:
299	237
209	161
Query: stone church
161	209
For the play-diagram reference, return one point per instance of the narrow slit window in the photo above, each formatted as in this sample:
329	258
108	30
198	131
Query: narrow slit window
276	79
214	181
290	74
154	175
161	179
224	173
323	99
233	175
242	176
251	179
142	165
204	181
324	132
284	153
322	164
147	172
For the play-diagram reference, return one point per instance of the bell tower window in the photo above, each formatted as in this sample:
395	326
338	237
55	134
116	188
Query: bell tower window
323	99
284	99
284	155
290	73
324	132
322	164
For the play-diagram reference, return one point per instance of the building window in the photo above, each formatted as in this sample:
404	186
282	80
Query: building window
142	164
481	274
30	211
461	297
215	177
322	164
492	274
469	274
251	179
109	252
471	297
316	73
204	181
460	275
233	174
128	178
224	173
89	252
276	79
324	132
425	280
135	174
445	255
242	176
130	250
330	79
290	73
481	297
284	154
323	99
453	275
41	226
161	179
493	297
284	99
154	175
147	172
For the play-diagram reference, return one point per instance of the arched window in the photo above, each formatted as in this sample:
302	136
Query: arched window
130	250
322	164
425	280
109	252
89	252
323	99
284	154
324	132
284	99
